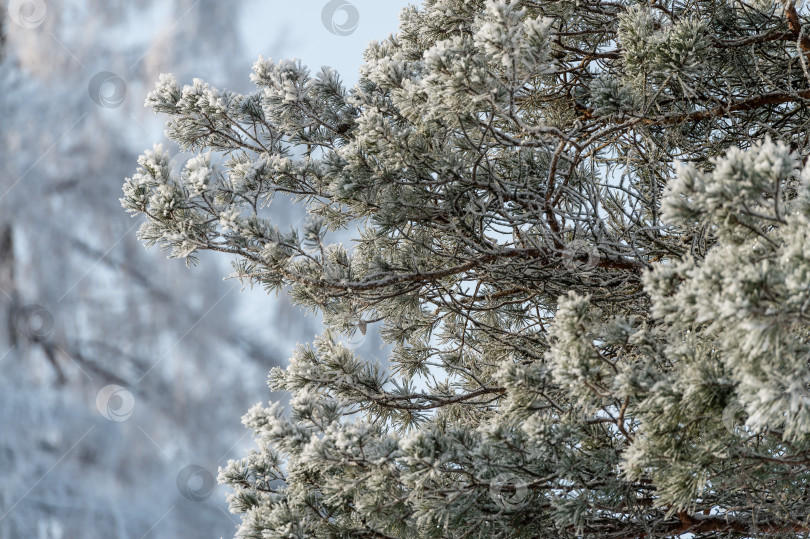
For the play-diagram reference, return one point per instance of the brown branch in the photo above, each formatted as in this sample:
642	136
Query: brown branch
796	27
704	524
372	283
724	523
394	401
774	98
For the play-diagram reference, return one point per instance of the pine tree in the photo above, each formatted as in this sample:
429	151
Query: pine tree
583	231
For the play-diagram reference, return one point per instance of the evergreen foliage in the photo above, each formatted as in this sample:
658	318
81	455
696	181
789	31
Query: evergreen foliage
582	228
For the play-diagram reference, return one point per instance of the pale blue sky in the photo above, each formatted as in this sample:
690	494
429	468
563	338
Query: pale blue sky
294	29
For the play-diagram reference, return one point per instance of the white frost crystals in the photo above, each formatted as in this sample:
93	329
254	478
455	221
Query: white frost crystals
583	339
749	297
511	41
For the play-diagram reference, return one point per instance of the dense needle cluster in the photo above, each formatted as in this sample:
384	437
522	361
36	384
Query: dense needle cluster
582	228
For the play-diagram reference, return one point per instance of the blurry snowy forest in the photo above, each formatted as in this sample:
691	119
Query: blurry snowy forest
83	306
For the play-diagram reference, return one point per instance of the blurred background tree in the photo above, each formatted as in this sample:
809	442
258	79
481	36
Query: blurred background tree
83	305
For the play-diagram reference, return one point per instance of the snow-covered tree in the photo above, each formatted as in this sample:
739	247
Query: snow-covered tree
583	231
